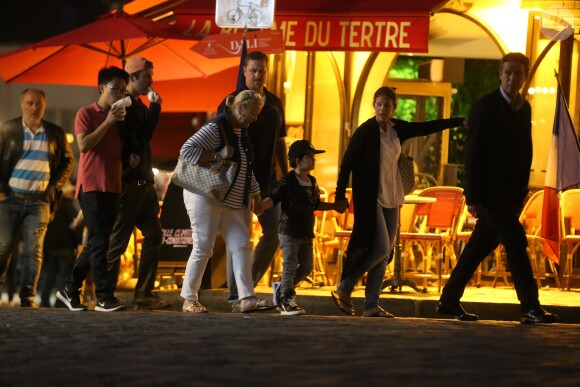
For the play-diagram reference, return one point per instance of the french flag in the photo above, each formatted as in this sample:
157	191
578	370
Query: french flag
562	172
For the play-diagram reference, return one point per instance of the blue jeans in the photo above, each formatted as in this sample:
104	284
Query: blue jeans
264	251
374	263
298	262
27	219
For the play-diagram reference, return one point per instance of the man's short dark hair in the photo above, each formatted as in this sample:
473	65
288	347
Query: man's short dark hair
516	57
256	55
28	89
107	74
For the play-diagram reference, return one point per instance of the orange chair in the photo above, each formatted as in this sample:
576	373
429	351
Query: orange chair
570	219
331	235
407	225
318	276
439	222
465	227
343	233
531	220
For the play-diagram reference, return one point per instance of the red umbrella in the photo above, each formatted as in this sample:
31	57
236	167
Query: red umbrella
209	92
75	57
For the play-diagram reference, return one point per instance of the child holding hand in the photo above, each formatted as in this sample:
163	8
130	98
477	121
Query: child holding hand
300	197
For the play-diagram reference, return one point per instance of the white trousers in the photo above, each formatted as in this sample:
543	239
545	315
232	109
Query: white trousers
207	220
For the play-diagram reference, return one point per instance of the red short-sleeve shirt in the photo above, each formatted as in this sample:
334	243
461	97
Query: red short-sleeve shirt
99	168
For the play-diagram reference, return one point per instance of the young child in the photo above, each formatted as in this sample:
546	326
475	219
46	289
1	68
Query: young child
300	197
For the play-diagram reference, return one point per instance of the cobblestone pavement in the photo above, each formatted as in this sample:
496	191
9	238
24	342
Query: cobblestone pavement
55	347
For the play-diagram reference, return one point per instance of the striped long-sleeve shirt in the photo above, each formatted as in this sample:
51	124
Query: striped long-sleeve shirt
209	138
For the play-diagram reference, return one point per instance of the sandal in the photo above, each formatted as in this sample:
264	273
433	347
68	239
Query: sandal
190	306
343	302
377	311
253	304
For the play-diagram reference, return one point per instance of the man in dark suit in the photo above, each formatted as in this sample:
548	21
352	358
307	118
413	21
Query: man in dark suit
498	157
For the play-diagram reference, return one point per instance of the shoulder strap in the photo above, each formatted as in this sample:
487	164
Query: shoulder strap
222	132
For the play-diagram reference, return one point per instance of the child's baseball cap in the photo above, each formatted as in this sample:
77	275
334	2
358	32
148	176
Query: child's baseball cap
300	148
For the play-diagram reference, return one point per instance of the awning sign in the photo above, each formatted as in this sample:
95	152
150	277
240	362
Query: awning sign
230	45
334	33
244	13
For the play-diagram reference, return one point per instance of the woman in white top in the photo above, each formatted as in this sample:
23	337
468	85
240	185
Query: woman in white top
372	158
209	217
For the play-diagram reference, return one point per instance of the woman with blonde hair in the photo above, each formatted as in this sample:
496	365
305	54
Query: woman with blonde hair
229	217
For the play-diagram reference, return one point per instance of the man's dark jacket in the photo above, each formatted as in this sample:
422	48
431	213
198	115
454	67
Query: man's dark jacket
498	153
61	159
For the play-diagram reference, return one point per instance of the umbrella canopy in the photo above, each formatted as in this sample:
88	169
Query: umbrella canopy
197	94
75	57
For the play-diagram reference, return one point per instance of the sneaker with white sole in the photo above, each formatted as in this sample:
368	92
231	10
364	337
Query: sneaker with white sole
71	299
110	304
288	307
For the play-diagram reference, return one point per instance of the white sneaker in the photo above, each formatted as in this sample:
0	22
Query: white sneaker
289	307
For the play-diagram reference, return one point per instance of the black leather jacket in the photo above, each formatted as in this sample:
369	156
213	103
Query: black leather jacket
298	207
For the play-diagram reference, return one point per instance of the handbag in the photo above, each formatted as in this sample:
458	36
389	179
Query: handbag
407	171
212	180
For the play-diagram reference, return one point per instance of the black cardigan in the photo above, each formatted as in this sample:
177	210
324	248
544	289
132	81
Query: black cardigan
362	159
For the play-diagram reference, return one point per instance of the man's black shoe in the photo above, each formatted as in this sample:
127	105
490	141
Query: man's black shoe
538	316
110	304
71	299
456	311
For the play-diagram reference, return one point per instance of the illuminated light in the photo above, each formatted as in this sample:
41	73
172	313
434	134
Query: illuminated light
545	90
155	171
531	91
70	138
287	84
164	16
538	89
552	90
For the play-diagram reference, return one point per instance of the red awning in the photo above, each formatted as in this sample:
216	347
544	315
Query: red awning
332	7
332	25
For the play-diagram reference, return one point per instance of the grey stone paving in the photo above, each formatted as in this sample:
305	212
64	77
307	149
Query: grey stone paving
52	347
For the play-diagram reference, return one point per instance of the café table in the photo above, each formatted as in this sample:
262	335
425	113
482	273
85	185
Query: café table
396	282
